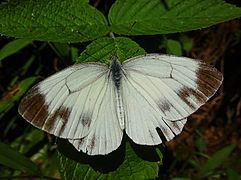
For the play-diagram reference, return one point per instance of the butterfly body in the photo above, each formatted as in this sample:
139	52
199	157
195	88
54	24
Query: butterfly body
115	69
117	73
92	104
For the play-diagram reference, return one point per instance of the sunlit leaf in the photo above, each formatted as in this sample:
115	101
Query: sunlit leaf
102	49
147	17
55	20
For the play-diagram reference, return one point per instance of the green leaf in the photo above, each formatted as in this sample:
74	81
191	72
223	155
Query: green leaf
74	53
173	47
186	43
13	159
133	167
55	20
61	49
199	142
102	49
215	160
14	94
145	17
30	139
233	175
13	47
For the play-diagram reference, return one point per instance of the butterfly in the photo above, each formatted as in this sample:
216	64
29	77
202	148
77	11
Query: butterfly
93	104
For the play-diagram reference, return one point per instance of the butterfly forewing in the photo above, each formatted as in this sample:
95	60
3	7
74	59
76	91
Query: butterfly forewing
177	86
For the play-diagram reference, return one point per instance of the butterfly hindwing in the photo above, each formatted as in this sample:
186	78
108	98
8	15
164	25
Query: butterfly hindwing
142	119
105	134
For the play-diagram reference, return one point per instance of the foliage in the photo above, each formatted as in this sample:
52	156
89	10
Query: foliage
61	22
205	166
131	166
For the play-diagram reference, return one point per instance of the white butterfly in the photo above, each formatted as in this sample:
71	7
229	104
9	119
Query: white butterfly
91	104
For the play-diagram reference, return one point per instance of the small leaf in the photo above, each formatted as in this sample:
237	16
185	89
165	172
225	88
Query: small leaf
215	160
102	49
13	47
55	20
14	94
13	159
199	142
186	43
74	53
193	163
173	47
147	17
30	139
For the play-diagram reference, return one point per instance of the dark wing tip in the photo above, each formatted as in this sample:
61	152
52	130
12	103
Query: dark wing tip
209	79
33	107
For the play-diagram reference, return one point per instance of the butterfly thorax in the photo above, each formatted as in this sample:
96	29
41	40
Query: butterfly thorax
115	69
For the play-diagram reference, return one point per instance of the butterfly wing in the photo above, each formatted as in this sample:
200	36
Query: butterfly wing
160	91
106	134
76	103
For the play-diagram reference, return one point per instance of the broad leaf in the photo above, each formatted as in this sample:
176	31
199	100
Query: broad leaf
147	17
56	20
132	167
